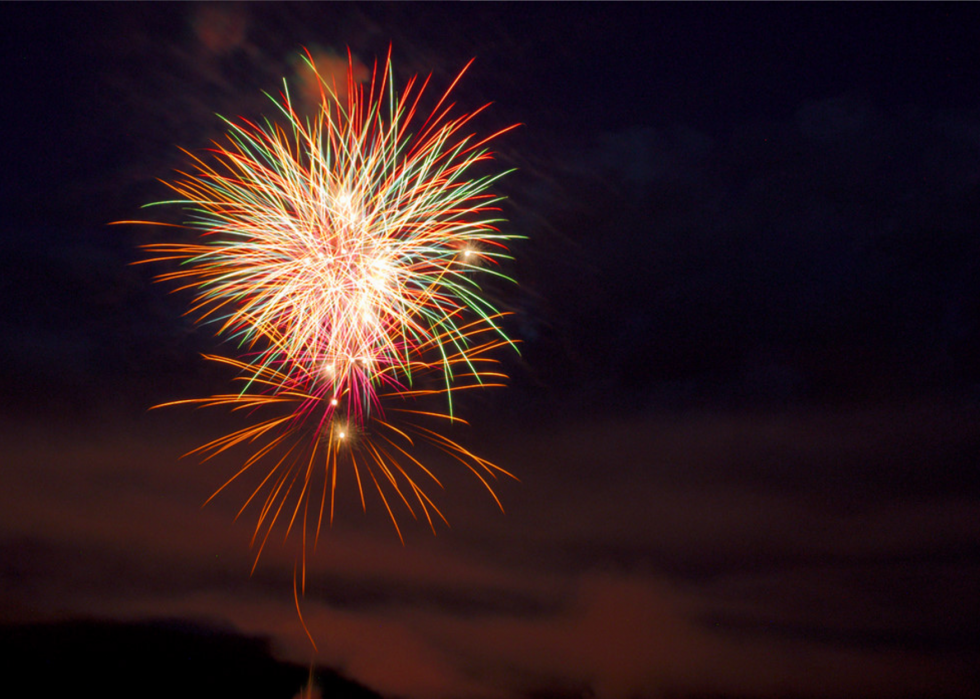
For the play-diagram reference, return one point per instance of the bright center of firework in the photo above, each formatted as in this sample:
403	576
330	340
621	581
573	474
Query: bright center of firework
347	298
346	206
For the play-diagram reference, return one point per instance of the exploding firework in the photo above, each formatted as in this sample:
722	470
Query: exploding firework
338	246
342	251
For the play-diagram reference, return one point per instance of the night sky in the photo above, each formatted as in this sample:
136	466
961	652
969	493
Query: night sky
745	414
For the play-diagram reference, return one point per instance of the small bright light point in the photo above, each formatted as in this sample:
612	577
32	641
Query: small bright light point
333	401
341	435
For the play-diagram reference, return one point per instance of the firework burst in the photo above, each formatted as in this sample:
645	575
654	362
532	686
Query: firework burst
342	253
337	246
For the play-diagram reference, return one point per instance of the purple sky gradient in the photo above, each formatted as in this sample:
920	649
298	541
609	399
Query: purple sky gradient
744	416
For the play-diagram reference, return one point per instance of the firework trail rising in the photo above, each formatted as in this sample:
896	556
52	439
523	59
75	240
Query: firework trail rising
342	252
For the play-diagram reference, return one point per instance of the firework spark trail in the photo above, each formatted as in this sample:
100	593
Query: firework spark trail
342	252
298	442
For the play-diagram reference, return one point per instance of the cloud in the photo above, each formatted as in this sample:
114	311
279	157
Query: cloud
749	554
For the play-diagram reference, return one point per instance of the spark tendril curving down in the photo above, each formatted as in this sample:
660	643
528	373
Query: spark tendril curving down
342	253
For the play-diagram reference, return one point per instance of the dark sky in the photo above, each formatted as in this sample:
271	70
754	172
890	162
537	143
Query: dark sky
745	412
